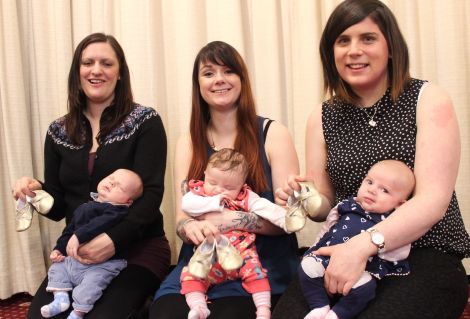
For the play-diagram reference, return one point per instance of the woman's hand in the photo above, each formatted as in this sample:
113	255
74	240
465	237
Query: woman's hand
292	184
24	187
347	263
197	230
97	250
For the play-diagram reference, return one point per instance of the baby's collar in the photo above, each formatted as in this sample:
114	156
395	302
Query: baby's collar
94	196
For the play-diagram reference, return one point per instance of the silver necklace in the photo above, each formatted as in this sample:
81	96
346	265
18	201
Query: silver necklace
371	118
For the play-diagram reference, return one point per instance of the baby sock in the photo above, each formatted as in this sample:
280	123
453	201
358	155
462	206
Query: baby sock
197	303
318	313
331	315
60	304
262	302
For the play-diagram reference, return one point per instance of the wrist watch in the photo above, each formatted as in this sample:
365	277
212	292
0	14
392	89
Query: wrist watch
377	238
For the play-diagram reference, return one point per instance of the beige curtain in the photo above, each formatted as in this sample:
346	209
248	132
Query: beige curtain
278	39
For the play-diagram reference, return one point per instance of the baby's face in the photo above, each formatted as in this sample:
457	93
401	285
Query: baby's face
227	183
117	187
380	192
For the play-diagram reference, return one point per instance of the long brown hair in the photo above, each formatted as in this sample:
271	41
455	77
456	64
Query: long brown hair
113	115
351	12
247	141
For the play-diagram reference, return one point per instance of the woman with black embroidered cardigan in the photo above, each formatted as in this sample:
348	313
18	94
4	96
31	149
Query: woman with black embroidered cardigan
104	130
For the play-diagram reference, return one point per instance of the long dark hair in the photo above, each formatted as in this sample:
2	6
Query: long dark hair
120	107
351	12
247	141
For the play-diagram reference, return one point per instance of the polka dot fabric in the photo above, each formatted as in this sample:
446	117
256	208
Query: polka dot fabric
353	146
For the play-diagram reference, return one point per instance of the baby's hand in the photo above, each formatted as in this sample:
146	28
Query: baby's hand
72	246
56	256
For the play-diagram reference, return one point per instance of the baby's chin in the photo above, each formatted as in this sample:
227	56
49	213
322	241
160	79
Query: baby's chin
101	198
366	207
373	209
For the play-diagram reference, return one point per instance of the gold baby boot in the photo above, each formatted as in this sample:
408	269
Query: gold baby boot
309	198
304	202
24	215
227	255
42	202
295	216
201	262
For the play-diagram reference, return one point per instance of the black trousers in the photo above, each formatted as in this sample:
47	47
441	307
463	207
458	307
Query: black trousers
124	297
437	288
174	306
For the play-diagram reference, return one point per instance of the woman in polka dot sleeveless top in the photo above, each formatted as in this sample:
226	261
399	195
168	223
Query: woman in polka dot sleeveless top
378	112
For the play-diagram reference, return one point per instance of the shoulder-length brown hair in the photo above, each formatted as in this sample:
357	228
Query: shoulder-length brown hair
113	115
247	141
351	12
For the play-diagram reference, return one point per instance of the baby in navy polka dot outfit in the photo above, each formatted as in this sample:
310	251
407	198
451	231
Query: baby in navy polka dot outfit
388	184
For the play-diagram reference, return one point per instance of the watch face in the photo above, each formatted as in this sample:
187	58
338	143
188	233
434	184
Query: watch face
378	238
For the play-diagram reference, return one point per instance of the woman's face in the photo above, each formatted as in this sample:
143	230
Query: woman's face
99	72
361	56
219	85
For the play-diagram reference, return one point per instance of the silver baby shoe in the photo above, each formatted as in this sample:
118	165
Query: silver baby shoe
24	215
227	255
42	202
200	264
310	198
304	202
295	216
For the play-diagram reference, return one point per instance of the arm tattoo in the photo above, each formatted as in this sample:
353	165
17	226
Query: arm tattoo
180	229
244	221
184	186
180	225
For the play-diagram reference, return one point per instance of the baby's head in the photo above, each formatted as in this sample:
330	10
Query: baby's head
225	173
388	184
123	186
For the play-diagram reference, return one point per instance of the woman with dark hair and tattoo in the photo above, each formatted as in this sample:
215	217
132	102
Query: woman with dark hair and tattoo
224	116
105	130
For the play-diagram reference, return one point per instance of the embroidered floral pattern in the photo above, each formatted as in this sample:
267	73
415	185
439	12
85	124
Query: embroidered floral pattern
124	131
131	124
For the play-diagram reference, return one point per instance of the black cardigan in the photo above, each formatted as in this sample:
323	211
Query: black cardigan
138	144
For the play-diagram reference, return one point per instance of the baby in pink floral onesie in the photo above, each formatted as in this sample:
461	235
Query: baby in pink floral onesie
224	187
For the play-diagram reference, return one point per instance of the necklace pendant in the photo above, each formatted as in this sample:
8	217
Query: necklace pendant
372	123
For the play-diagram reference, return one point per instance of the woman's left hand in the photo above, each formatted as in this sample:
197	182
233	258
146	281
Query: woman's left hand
97	250
347	263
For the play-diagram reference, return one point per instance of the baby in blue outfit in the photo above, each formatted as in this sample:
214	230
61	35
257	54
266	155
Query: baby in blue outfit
388	184
116	192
